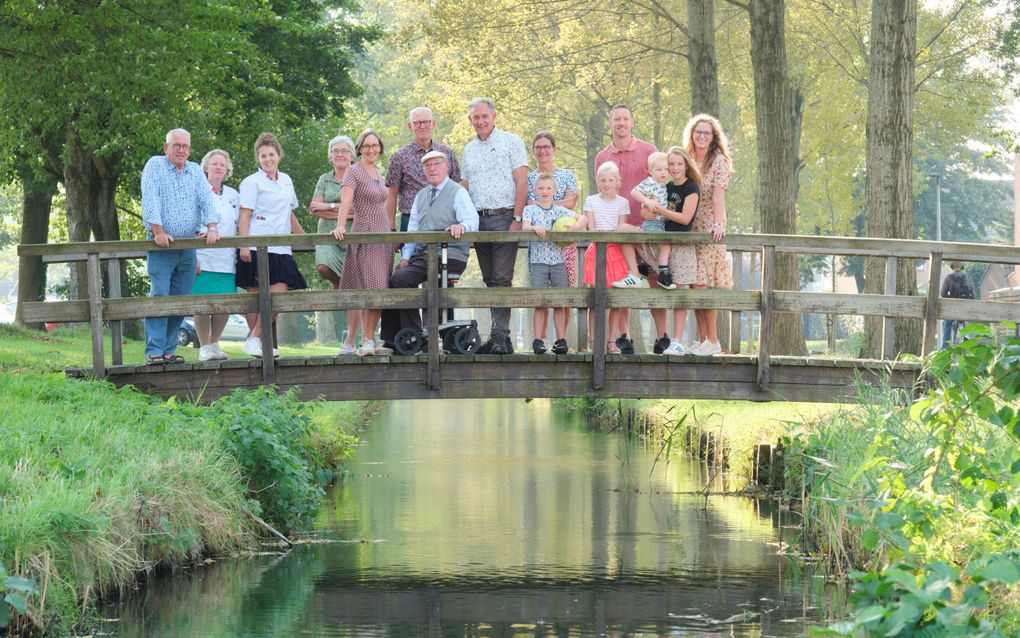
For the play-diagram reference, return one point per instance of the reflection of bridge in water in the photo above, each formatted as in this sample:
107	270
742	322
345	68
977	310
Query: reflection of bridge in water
650	601
758	375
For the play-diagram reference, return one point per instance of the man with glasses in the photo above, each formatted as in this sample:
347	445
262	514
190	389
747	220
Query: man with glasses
405	177
176	202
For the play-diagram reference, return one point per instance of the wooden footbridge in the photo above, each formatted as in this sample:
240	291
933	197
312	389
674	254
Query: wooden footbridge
756	376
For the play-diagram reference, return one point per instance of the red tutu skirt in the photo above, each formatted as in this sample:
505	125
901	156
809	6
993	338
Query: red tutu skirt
616	266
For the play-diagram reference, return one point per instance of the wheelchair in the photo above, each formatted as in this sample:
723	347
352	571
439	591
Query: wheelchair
457	336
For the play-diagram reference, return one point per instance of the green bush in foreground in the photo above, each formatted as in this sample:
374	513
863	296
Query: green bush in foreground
98	484
925	496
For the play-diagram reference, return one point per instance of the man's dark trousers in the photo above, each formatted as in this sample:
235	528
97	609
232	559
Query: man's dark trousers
411	276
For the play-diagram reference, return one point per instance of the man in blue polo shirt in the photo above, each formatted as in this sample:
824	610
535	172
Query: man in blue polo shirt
176	201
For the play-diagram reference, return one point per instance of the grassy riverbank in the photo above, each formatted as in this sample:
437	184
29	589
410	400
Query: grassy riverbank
914	500
98	484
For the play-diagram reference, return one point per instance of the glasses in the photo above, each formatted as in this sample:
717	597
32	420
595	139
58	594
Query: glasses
180	147
370	146
340	151
542	147
702	133
422	124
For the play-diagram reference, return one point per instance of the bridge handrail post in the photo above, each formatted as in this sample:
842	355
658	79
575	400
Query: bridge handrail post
582	313
768	262
116	327
888	323
432	317
598	379
932	307
265	315
95	292
738	284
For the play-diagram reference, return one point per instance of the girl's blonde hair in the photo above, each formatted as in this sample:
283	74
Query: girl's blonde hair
719	146
692	171
608	167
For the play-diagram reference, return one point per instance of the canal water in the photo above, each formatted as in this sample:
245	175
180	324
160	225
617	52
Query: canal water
502	518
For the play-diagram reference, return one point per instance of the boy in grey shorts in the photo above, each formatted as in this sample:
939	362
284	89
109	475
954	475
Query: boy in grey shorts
546	267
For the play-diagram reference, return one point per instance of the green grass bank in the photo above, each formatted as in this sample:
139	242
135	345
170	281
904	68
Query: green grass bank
99	484
911	499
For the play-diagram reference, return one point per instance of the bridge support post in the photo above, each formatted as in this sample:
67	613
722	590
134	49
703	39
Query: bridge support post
768	261
598	378
95	288
116	327
929	342
582	313
265	316
432	318
888	323
738	284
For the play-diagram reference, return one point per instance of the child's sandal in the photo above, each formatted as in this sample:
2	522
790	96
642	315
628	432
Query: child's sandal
611	348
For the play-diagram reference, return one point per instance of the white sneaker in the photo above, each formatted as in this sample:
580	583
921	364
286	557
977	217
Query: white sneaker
367	349
630	281
707	348
348	348
674	348
252	346
382	351
218	353
206	353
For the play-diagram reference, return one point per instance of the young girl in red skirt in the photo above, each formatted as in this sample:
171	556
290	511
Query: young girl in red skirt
604	213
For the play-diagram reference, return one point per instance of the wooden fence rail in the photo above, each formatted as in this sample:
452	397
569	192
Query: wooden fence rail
766	300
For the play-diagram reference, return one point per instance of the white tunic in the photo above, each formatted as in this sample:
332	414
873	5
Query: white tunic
271	204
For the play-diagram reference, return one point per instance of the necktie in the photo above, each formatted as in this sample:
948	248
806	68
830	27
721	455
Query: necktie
432	198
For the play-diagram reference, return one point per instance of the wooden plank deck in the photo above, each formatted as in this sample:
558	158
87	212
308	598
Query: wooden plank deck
341	378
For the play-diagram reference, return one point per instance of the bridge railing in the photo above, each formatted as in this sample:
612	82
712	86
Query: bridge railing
766	300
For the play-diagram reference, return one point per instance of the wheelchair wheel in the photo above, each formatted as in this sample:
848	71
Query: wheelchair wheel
408	341
466	340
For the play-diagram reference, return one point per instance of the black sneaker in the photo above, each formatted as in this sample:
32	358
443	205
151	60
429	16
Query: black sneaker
666	280
560	347
538	346
486	348
661	344
501	344
644	269
625	345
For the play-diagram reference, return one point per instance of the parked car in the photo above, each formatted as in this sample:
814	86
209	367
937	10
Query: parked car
235	330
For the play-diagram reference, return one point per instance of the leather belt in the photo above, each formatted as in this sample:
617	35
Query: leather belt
492	212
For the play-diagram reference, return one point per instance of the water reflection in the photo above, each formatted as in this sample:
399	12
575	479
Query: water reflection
501	518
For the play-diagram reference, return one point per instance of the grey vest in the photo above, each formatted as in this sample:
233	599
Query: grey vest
440	215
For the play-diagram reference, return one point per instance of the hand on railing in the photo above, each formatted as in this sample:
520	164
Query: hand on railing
244	254
338	233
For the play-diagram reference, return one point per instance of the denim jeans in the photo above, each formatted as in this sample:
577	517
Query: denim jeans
947	332
172	272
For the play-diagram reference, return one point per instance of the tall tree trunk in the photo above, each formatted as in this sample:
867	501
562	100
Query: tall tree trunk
701	61
79	175
595	135
776	196
37	203
890	132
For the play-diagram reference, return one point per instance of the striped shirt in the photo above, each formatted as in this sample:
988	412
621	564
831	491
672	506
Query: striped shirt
179	201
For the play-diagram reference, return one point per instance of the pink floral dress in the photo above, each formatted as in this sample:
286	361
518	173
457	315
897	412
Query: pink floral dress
714	269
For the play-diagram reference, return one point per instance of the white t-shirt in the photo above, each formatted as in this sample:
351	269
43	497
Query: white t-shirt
222	259
606	213
271	204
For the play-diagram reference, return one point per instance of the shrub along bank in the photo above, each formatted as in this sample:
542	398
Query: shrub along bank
919	499
98	484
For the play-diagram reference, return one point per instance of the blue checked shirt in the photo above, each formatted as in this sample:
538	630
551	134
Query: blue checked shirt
179	201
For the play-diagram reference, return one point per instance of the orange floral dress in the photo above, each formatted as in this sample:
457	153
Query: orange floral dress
714	269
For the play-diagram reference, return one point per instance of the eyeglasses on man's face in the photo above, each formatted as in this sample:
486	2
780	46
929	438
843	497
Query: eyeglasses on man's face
422	124
177	146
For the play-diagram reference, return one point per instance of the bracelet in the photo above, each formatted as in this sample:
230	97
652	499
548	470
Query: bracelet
718	225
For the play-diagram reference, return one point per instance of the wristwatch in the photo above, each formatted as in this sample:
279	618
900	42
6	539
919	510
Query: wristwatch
518	218
332	205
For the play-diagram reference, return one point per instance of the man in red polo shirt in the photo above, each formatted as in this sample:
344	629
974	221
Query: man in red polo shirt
631	155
